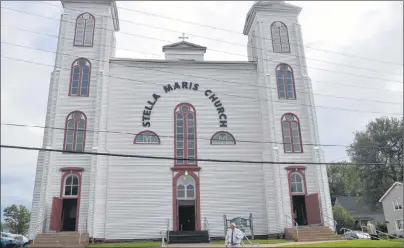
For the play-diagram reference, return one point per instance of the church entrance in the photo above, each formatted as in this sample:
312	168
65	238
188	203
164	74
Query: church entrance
69	215
186	212
299	209
186	215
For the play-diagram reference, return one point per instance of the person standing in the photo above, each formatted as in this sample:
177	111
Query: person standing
372	231
234	236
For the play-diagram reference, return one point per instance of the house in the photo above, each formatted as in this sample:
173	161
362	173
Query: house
392	202
188	110
361	212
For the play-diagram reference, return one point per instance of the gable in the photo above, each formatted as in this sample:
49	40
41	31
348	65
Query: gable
183	45
393	187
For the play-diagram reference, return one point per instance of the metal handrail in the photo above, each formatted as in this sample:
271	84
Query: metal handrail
335	222
295	225
168	230
207	228
163	244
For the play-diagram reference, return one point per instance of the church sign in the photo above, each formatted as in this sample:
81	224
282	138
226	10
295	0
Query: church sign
240	223
186	86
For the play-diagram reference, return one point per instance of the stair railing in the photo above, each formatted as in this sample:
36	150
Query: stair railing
335	222
168	230
163	244
206	226
293	223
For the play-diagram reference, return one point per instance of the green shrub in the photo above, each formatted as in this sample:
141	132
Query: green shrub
343	218
381	227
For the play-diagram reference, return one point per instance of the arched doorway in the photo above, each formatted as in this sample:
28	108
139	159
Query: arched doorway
186	206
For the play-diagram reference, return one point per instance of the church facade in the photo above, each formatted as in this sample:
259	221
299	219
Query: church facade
203	117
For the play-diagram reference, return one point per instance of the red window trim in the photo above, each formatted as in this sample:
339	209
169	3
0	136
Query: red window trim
296	169
75	31
78	169
284	82
75	132
287	34
290	131
211	139
185	140
80	78
147	131
197	200
78	197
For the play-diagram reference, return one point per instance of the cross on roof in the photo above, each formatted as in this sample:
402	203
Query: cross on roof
183	37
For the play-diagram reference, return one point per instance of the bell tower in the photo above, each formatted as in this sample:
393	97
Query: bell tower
275	43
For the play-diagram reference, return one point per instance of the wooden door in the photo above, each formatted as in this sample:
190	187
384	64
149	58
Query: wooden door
313	209
56	215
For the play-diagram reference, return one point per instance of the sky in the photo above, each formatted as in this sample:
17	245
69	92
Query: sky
351	37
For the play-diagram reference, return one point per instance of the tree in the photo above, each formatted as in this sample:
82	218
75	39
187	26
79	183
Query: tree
17	219
344	180
343	218
381	142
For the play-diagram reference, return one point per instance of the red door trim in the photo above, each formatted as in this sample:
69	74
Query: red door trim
301	171
197	200
78	197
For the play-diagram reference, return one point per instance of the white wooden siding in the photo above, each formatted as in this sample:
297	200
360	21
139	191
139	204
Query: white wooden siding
130	198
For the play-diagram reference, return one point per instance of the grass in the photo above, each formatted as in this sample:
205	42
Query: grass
147	244
354	243
345	243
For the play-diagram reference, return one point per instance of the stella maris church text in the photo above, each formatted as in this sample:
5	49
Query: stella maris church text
198	113
188	86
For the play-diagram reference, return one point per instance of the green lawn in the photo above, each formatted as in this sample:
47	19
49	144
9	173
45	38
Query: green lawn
147	244
347	243
354	243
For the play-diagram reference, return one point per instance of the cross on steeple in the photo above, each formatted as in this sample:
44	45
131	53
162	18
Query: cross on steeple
183	37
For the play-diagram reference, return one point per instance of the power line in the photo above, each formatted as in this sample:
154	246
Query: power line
232	95
157	55
172	158
237	32
146	37
237	44
172	137
219	80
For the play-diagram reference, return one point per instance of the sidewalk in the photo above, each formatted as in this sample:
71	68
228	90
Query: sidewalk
247	246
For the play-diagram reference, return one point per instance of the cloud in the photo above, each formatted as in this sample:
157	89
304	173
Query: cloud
364	29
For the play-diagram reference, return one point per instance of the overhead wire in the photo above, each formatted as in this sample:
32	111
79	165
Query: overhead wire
172	158
237	44
203	77
356	75
237	32
197	138
159	55
232	95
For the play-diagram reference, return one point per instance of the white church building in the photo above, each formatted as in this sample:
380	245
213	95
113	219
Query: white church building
188	109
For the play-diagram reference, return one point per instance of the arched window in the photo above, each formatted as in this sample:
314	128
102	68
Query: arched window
292	141
84	33
147	137
80	77
185	134
71	185
222	138
296	183
186	188
285	82
280	37
75	129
